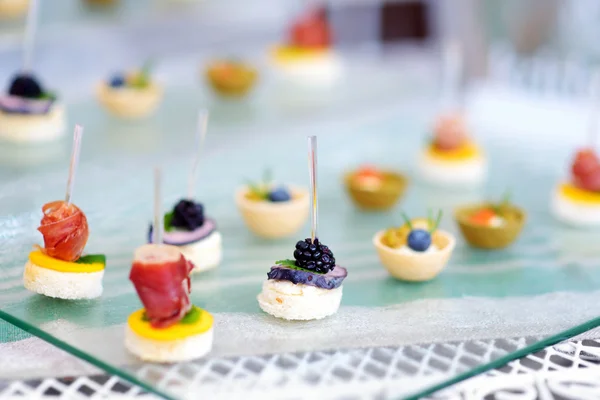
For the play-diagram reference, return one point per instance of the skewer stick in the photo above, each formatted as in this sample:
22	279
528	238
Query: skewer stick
74	162
30	31
200	136
157	231
594	108
312	170
452	72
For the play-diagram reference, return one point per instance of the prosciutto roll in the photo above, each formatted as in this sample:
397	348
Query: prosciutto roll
65	230
161	276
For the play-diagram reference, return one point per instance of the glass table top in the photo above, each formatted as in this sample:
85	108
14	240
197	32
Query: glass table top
544	283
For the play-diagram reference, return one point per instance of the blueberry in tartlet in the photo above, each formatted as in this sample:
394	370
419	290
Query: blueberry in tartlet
195	235
273	211
308	287
130	95
416	251
29	113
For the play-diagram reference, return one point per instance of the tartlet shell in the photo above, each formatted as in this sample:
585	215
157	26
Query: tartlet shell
417	267
274	220
231	87
130	103
487	237
379	200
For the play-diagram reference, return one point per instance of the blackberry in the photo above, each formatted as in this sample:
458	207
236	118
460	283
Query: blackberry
27	86
314	256
188	215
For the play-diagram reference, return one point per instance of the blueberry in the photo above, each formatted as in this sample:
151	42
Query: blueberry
419	240
279	194
24	85
117	81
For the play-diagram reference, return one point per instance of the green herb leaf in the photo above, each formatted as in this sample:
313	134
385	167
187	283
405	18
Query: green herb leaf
145	317
167	221
437	222
292	265
192	316
48	96
92	259
406	220
286	263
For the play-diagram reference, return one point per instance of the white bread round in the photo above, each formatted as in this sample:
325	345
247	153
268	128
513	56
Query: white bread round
24	128
167	351
62	285
470	172
574	213
205	254
324	70
284	299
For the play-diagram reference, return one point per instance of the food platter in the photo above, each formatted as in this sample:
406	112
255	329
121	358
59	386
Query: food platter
545	283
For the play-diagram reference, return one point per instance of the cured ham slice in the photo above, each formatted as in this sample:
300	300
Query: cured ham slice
586	170
450	132
65	230
161	276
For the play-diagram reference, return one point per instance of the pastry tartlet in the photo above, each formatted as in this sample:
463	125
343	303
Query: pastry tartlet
490	226
13	8
452	159
29	113
231	78
416	251
272	211
576	201
131	96
371	189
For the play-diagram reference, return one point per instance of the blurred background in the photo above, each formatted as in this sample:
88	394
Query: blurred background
525	57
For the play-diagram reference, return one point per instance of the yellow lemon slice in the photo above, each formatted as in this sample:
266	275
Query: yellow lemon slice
181	330
579	195
42	260
285	54
466	151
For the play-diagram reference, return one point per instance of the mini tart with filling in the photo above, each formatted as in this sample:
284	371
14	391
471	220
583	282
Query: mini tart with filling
274	220
231	79
197	321
487	236
381	196
130	102
467	151
576	206
413	266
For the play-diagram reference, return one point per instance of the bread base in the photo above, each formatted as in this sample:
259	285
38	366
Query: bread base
167	351
24	128
573	213
62	285
472	172
206	254
284	299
